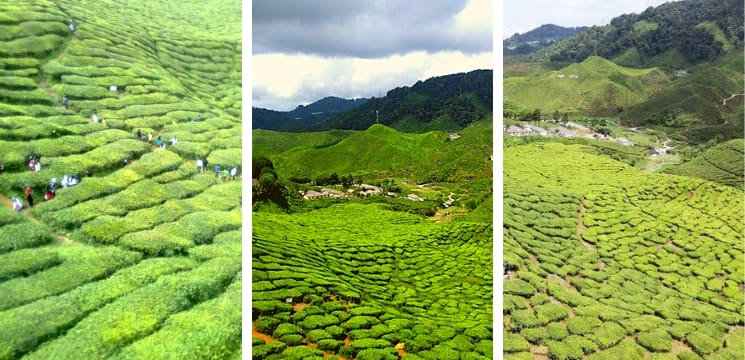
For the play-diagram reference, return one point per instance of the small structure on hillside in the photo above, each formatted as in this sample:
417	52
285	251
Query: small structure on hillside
624	141
414	197
453	136
513	130
561	76
574	76
312	195
535	130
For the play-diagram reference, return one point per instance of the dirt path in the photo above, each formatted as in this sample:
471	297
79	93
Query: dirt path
5	201
255	333
43	78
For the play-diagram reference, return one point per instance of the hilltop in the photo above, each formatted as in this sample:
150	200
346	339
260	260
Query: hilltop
379	150
595	86
447	102
304	117
675	34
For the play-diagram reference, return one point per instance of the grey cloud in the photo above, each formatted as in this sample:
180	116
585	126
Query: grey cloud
367	29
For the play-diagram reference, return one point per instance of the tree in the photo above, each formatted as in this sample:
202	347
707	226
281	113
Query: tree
536	115
258	164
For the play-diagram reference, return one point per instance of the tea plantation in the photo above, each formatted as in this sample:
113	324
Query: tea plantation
142	258
359	281
611	263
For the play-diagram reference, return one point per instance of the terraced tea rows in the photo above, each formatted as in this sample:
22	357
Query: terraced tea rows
141	258
358	281
610	263
723	163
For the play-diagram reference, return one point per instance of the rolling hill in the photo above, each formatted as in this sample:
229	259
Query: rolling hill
595	86
723	163
380	151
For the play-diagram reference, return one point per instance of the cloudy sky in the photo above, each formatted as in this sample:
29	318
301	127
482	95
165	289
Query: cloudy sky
524	15
306	50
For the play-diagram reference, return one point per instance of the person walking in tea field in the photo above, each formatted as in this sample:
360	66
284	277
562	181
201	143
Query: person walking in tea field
29	196
94	117
198	118
65	101
150	138
200	165
217	170
233	172
31	165
225	175
139	134
37	166
158	142
17	204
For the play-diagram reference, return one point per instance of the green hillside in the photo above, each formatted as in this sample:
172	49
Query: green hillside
724	163
689	31
601	87
611	263
448	102
380	151
137	260
696	100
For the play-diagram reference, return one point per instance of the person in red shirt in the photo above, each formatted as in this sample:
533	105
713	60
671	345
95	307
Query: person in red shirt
29	198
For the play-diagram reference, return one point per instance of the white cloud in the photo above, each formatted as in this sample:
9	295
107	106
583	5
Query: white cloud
285	81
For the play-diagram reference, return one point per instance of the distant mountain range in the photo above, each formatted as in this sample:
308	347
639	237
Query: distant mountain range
304	117
447	102
538	38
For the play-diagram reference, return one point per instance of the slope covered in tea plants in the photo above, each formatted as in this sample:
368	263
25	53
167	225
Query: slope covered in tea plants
141	259
361	281
722	163
611	263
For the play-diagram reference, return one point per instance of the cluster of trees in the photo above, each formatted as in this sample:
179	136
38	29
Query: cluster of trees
464	97
658	30
269	187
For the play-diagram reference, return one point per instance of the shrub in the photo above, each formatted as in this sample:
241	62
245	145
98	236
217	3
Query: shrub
286	328
564	351
626	350
655	340
608	334
377	354
87	265
156	302
266	324
359	322
212	328
515	343
556	331
291	339
702	343
22	236
25	262
329	345
317	334
20	333
582	325
300	353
